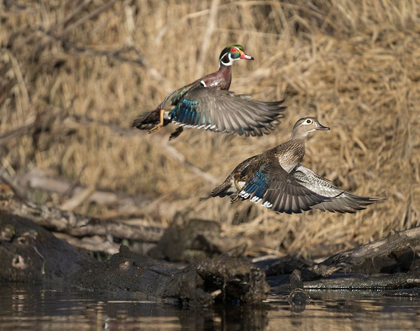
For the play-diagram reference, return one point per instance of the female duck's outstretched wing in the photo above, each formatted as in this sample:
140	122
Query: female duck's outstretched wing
339	200
224	111
276	189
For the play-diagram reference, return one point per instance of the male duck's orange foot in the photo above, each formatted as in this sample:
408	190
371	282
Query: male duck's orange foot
161	121
156	128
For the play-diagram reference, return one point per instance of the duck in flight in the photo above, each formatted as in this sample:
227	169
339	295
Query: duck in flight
276	179
208	104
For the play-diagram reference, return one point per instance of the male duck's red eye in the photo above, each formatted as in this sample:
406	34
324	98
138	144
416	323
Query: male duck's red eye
233	50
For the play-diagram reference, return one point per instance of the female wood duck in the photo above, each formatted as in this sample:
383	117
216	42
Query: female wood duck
278	181
207	104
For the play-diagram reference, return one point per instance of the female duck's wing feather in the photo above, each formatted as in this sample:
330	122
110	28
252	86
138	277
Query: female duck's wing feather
339	200
228	185
276	189
224	111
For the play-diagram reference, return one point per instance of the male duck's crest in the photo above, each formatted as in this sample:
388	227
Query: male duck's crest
231	54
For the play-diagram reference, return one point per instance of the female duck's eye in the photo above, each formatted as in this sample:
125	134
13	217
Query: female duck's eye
308	121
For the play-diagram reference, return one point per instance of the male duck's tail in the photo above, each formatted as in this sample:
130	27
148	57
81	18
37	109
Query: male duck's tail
148	120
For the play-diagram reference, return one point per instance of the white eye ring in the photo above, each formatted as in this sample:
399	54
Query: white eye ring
307	122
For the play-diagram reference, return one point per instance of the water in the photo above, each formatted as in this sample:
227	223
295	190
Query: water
25	307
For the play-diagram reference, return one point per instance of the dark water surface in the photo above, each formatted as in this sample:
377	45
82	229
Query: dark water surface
24	307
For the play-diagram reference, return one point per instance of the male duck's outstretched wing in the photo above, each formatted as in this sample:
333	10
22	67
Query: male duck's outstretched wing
276	189
224	111
339	200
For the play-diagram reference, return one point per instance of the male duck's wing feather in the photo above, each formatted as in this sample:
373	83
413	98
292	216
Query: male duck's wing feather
224	111
175	96
339	200
274	188
150	119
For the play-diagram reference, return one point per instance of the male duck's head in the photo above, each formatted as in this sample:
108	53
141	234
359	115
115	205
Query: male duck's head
306	125
231	54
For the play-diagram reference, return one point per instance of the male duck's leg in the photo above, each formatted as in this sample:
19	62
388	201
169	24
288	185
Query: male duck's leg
176	133
157	127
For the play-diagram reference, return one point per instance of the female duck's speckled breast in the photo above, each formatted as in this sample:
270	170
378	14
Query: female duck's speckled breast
290	154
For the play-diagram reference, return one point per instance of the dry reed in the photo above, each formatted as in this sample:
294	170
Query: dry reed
353	64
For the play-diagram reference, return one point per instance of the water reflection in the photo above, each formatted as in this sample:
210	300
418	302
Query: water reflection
31	307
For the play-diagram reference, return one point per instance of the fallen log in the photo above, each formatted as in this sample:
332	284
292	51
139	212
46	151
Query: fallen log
91	244
37	179
352	259
78	225
363	282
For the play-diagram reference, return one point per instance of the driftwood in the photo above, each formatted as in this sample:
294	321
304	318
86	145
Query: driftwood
37	179
79	225
91	243
90	233
363	281
349	260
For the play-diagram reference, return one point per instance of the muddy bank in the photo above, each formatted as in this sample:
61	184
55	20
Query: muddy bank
223	279
29	253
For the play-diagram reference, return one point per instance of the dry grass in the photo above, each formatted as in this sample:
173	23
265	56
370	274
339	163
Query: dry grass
353	64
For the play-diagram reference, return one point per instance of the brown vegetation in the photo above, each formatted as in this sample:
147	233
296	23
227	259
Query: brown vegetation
72	73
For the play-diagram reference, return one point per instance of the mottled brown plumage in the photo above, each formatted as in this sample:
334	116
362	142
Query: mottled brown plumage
276	179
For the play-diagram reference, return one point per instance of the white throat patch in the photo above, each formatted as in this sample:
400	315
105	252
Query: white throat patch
226	64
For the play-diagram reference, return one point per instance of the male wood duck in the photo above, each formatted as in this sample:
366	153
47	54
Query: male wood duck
207	104
278	181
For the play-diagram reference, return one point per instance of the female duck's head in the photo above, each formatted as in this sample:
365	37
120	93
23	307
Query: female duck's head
306	125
